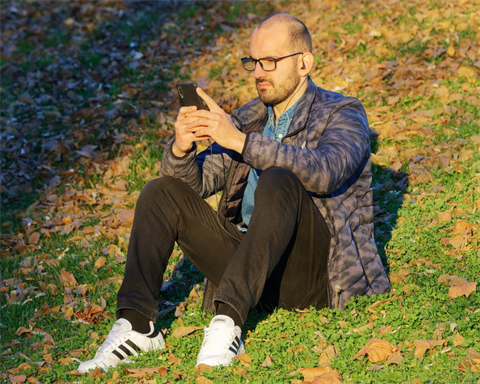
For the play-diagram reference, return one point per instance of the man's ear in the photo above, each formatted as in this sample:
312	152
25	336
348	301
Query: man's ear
305	64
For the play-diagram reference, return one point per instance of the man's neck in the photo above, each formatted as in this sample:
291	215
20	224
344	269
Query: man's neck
297	94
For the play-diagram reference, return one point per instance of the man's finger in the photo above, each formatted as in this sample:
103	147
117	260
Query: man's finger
212	105
201	135
203	114
188	109
185	110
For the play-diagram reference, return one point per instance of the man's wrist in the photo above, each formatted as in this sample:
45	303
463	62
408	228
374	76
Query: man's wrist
240	142
178	152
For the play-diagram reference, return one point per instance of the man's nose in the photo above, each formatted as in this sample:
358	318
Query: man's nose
258	72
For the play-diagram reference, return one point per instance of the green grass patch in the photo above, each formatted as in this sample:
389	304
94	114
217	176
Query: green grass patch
414	243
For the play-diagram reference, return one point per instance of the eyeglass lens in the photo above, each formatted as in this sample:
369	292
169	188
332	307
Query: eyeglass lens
266	64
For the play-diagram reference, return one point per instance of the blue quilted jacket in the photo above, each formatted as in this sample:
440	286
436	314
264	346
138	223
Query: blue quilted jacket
328	148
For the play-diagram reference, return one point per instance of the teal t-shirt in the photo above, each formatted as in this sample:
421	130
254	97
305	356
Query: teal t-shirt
276	132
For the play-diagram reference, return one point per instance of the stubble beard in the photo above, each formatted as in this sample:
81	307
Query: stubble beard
279	92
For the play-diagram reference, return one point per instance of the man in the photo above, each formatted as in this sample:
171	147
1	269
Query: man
294	227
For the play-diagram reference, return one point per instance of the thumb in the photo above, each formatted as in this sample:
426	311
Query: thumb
212	105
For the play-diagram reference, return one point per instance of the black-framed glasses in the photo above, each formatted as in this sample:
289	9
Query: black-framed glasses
268	64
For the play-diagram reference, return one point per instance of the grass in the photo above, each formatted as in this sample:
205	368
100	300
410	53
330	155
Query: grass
416	243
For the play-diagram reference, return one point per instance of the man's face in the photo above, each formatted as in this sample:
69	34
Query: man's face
274	87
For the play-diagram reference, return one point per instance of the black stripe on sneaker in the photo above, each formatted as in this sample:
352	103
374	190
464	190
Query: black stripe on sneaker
119	355
133	345
237	342
235	345
126	350
154	333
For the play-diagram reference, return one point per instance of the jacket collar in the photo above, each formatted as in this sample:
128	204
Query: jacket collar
303	110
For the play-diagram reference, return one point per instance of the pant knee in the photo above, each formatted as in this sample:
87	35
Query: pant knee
156	188
276	179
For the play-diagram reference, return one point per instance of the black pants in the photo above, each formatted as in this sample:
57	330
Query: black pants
282	258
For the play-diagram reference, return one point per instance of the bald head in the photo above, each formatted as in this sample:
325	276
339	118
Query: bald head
300	39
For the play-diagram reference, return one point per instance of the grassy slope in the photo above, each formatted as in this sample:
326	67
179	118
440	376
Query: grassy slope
404	60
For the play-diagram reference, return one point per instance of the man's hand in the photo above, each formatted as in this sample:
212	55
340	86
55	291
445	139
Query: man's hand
184	136
214	124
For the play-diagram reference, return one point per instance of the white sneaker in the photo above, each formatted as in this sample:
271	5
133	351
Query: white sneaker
121	343
221	342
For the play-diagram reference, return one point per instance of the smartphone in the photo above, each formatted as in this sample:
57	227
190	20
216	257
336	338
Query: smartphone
187	92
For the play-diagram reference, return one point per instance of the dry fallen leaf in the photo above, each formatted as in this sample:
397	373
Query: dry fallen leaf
423	345
396	358
67	279
97	372
17	379
467	71
194	294
76	373
458	339
377	304
327	356
92	314
94	335
240	371
68	313
332	377
267	362
115	375
451	280
321	375
48	358
310	373
23	331
173	359
385	329
144	372
182	331
462	290
363	328
126	216
34	238
203	367
65	360
462	227
400	276
377	350
33	380
375	367
244	359
203	380
20	368
471	361
100	262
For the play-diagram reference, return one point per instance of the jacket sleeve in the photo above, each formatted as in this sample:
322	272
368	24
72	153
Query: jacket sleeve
205	173
340	142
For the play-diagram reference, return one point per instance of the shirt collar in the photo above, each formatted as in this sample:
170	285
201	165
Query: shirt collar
285	116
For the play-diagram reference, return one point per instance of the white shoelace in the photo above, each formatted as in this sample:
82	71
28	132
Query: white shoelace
113	339
218	337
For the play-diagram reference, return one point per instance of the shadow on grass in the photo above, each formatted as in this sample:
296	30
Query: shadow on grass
36	148
389	189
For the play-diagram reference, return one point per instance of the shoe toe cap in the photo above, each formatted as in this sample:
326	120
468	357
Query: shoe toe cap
86	366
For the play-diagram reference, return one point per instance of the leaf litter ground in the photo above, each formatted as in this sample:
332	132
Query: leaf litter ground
87	107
